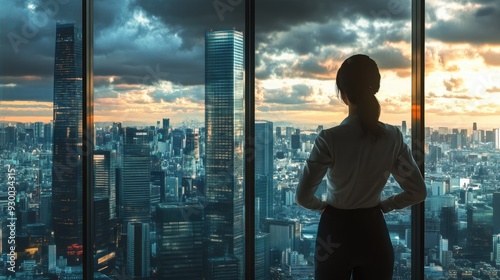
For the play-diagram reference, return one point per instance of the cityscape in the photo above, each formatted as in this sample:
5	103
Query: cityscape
168	200
169	142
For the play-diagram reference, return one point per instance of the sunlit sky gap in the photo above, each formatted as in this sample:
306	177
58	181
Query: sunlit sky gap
149	59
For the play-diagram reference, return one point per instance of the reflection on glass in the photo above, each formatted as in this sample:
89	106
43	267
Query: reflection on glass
461	161
297	59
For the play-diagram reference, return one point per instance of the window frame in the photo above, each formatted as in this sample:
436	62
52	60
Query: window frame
417	136
418	131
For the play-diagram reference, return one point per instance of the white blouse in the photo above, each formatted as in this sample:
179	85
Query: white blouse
357	169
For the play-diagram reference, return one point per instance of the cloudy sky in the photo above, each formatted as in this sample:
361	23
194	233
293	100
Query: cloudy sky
149	58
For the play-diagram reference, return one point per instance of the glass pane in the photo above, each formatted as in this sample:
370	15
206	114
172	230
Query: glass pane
462	99
169	126
41	138
300	47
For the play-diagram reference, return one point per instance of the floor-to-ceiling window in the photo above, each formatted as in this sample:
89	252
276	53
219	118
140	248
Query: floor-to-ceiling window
299	48
462	93
41	95
169	139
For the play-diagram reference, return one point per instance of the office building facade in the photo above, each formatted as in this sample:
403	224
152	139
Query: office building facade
224	126
67	140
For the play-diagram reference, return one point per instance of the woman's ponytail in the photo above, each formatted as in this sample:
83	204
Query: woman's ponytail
359	79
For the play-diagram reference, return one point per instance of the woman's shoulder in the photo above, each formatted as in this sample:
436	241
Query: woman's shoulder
391	129
350	128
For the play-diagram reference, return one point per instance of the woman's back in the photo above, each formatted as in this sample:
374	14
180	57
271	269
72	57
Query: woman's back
361	165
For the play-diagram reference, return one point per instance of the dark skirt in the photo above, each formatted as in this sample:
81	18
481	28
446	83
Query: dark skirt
353	243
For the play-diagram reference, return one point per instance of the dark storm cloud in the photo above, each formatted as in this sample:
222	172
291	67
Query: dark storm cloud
170	44
390	58
298	94
280	15
307	38
191	20
312	66
27	45
193	94
33	90
475	25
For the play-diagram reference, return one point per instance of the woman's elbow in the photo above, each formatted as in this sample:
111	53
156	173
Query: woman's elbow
300	200
422	195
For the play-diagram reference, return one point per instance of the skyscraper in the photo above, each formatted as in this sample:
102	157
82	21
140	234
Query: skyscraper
480	231
496	213
449	225
496	137
179	226
264	167
224	124
134	192
105	163
67	136
138	250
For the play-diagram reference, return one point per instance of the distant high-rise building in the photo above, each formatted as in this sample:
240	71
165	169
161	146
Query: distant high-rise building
11	135
496	249
480	231
38	129
138	250
443	247
289	132
190	159
159	178
105	164
474	126
283	233
134	192
166	124
278	132
46	210
496	137
449	225
225	267
224	123
67	213
403	128
295	142
496	213
489	136
262	256
101	223
51	260
177	141
464	137
179	226
456	141
264	167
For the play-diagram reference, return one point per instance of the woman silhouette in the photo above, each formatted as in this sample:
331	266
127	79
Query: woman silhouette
357	157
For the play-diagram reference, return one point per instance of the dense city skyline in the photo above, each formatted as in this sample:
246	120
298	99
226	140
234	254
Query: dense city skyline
169	159
149	59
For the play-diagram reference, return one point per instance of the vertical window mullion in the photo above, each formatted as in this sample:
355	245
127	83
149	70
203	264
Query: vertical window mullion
249	38
418	132
87	136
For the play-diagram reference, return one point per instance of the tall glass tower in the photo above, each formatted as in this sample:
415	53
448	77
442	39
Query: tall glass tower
67	137
224	124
